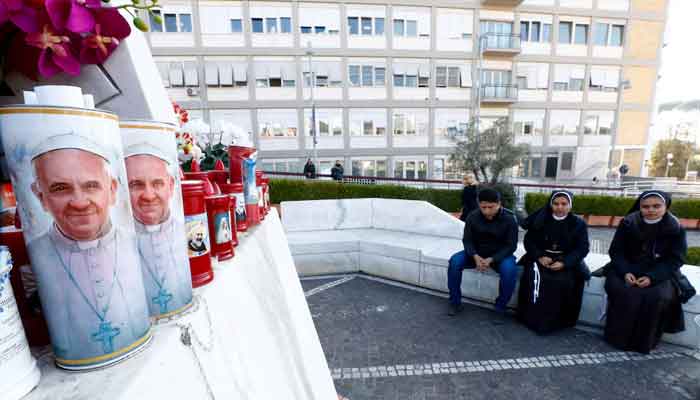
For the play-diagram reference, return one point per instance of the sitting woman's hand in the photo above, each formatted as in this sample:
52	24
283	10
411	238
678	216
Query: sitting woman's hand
545	261
643	282
557	266
630	279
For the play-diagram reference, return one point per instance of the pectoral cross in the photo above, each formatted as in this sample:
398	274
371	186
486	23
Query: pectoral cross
162	300
106	335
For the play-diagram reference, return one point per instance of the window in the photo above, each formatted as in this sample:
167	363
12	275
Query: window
441	76
604	79
366	24
535	31
305	29
379	26
567	161
598	122
410	122
379	76
451	122
236	26
271	25
581	34
530	167
569	77
171	22
616	35
374	168
329	122
456	77
547	33
398	27
354	74
277	123
285	25
601	34
225	74
609	34
564	122
367	75
257	25
524	31
399	80
155	26
185	22
319	29
353	25
368	128
565	32
411	28
528	122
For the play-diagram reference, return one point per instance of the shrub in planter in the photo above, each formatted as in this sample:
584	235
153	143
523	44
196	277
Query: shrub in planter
612	205
693	256
447	200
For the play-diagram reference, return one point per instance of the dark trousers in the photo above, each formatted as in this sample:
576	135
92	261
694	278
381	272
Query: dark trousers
507	270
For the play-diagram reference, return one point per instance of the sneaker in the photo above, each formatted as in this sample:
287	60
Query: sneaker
455	309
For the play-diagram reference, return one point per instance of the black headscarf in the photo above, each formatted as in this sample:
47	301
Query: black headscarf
538	218
650	193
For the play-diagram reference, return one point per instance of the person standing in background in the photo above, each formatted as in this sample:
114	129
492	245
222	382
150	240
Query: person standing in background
337	171
469	193
309	169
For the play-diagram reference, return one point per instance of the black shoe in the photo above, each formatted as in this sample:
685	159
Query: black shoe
455	309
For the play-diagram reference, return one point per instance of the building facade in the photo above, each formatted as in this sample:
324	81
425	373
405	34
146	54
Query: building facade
396	81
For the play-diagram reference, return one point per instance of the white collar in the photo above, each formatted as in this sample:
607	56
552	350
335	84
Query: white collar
652	221
60	239
163	226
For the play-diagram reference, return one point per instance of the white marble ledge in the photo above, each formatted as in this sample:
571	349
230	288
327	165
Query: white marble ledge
262	334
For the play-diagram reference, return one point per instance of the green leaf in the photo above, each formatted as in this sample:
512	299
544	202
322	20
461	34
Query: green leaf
140	24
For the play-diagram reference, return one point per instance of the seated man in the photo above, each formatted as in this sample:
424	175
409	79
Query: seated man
490	239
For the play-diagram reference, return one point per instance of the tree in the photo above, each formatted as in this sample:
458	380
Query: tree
488	154
682	151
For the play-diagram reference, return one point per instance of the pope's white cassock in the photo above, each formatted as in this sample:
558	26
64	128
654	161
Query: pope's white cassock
90	293
166	268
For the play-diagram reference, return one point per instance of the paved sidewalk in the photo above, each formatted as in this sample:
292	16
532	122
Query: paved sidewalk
388	342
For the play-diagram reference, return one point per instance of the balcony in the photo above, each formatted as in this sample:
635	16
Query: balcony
501	94
501	3
500	44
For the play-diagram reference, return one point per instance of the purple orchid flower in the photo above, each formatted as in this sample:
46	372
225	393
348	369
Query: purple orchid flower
20	14
110	29
73	15
56	54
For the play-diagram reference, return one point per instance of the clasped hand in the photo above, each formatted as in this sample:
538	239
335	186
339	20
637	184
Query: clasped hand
482	264
550	264
641	282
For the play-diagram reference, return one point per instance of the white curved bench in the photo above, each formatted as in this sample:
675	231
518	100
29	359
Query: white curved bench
411	241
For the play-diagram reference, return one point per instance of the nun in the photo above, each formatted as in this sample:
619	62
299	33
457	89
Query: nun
648	249
551	286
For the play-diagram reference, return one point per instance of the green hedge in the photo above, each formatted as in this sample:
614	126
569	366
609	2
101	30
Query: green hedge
448	200
693	256
611	205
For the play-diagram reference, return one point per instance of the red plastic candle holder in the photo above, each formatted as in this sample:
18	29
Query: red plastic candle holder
239	210
197	232
220	232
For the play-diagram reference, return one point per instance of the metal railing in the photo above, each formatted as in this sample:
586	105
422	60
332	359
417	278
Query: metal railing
521	189
501	41
490	92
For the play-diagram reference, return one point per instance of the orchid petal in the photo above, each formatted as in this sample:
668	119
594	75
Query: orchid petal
59	11
25	19
80	19
47	68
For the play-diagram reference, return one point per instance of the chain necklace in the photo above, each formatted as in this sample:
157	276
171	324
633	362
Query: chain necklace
187	334
105	333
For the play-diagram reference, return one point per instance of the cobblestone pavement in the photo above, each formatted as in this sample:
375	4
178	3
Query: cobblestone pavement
388	342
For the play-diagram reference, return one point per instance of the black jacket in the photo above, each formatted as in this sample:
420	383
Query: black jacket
469	202
497	238
669	249
575	245
337	172
309	170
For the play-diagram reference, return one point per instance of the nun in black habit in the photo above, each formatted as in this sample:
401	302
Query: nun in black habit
551	286
648	249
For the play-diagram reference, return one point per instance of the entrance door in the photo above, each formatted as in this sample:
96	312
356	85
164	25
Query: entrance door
550	170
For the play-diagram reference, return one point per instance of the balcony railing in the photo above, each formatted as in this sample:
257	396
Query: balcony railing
500	43
499	93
